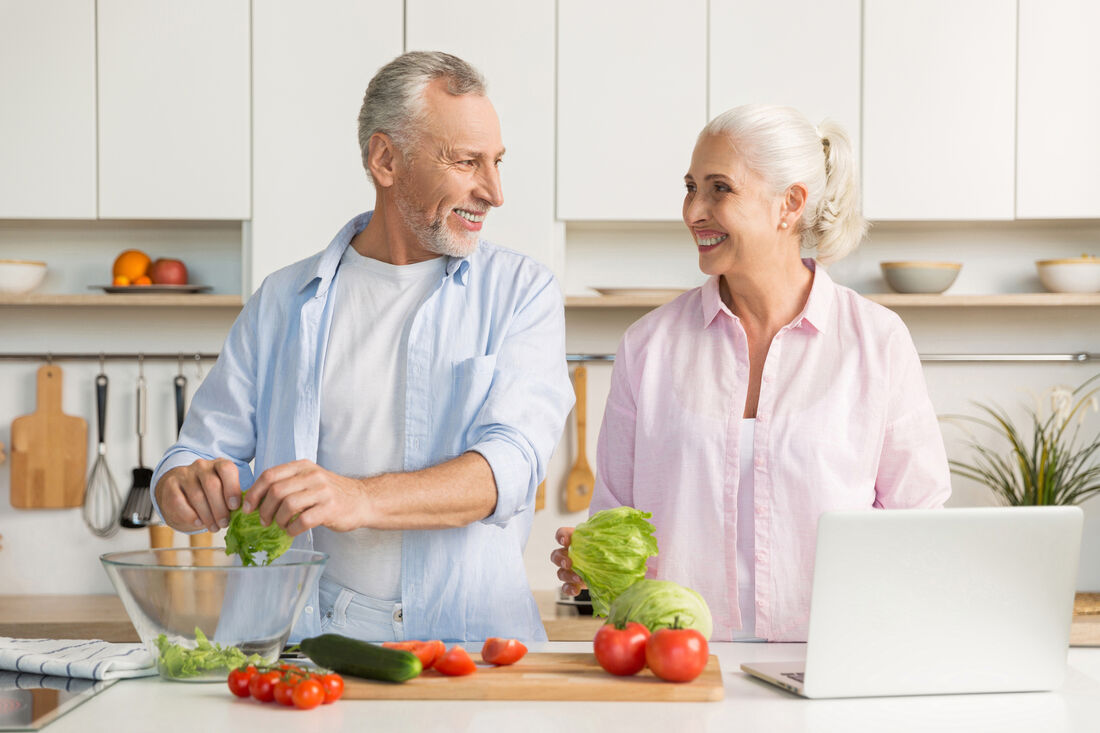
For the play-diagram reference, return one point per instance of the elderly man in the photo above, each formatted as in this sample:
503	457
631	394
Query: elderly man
400	392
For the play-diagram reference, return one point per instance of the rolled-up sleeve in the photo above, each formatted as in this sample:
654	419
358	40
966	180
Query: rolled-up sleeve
522	417
221	422
913	470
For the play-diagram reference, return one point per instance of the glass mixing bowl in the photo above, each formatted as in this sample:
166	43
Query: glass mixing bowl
201	613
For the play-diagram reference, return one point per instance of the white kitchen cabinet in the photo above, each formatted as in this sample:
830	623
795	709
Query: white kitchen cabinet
939	82
47	109
311	64
632	96
523	94
801	53
1058	110
174	109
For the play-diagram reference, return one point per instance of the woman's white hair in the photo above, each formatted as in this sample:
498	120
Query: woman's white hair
784	148
394	101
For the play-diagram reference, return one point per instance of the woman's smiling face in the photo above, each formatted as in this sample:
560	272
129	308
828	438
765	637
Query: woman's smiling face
731	212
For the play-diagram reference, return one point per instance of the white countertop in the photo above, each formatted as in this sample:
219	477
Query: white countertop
151	704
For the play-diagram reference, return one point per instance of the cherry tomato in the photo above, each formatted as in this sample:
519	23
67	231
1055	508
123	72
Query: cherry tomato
284	688
239	679
308	694
502	651
676	655
262	685
426	651
455	663
333	685
621	651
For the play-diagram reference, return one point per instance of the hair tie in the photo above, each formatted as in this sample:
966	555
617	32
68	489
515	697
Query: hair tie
825	146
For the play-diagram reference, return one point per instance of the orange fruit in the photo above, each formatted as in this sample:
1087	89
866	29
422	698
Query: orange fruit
120	280
143	280
131	264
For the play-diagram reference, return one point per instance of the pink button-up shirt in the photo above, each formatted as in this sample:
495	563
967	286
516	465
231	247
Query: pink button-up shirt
843	422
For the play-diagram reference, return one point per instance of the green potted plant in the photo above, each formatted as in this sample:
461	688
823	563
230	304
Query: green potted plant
1048	461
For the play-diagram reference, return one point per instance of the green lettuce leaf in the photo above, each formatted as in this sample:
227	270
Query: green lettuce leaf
176	660
660	604
247	537
609	552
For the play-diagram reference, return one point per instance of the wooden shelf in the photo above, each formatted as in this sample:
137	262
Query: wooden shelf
890	300
197	300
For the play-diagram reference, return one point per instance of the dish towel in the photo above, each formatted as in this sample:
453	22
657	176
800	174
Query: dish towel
87	658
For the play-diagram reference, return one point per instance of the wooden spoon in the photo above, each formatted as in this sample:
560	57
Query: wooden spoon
581	481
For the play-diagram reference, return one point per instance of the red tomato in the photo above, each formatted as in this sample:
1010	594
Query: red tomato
262	685
677	655
455	663
239	679
426	651
284	689
502	651
308	694
621	651
333	685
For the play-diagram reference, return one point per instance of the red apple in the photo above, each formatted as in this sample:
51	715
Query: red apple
168	272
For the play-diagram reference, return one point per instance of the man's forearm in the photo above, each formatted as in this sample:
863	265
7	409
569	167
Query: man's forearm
452	494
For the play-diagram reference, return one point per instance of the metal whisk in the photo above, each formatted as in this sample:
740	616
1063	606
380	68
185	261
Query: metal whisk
101	497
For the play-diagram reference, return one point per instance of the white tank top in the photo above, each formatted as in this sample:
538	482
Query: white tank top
363	405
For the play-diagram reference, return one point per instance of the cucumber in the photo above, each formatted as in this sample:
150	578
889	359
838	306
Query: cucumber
361	659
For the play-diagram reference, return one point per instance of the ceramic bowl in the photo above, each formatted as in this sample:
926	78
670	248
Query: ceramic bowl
21	276
920	277
173	595
1070	275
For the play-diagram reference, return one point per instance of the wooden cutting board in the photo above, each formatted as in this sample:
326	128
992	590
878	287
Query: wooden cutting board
49	451
543	676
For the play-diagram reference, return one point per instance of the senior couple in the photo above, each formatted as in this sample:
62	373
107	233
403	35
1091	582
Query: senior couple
394	399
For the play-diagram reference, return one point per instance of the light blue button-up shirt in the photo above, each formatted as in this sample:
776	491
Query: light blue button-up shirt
486	372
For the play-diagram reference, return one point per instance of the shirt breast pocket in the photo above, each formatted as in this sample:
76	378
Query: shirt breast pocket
471	381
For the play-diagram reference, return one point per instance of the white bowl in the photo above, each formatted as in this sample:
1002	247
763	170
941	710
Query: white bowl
1070	275
21	276
920	277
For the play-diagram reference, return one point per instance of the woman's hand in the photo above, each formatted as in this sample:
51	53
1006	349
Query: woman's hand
572	583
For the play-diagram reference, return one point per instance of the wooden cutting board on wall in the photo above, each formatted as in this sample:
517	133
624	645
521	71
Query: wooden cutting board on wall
49	451
543	676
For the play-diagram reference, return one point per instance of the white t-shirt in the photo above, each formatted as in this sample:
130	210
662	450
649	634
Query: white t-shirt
746	540
363	404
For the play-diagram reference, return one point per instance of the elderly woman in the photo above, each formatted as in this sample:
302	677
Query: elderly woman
745	408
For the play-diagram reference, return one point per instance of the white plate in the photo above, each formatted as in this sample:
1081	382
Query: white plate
140	289
640	292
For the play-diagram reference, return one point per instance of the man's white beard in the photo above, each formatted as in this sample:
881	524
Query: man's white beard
434	235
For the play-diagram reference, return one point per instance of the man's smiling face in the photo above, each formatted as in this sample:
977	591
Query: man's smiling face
450	177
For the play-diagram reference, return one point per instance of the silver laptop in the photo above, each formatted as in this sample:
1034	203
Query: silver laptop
928	602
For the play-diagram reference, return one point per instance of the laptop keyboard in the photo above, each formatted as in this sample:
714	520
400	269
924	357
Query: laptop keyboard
796	676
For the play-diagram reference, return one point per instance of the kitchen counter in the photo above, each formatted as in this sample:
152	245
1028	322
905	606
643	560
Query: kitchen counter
749	705
103	617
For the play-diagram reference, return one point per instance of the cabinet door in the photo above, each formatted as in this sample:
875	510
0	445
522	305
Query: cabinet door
939	107
801	53
1058	110
632	97
173	109
523	94
47	112
311	65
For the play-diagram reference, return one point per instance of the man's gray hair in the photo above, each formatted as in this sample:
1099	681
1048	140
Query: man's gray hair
394	102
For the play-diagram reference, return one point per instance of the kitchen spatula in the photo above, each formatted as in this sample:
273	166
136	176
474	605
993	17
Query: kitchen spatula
581	481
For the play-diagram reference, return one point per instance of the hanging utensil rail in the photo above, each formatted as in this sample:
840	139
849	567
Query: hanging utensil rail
1078	357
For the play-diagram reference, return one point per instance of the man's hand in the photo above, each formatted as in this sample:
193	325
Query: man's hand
301	495
200	495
